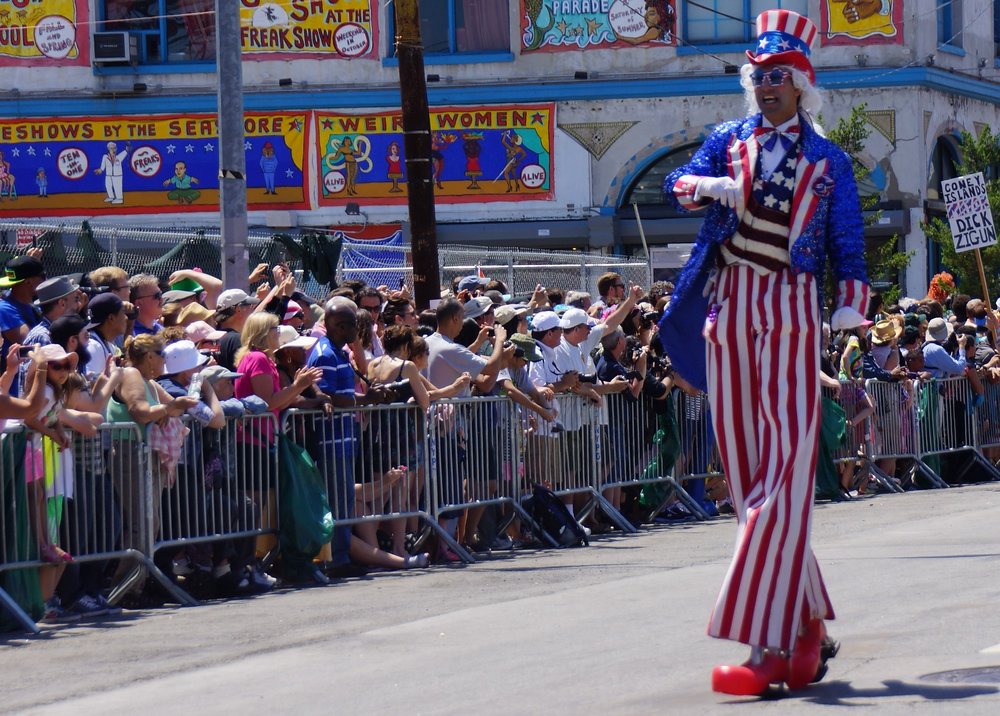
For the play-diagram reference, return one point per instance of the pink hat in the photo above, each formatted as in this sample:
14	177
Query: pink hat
201	331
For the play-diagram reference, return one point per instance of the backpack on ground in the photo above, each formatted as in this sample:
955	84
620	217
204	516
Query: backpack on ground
551	515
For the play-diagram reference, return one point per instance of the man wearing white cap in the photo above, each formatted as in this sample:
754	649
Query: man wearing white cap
231	312
781	199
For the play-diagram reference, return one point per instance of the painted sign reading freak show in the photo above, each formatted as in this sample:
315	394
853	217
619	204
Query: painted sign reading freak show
148	164
44	33
309	28
563	25
495	153
861	22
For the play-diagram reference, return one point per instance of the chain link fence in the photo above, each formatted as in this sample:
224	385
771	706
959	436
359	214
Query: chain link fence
71	248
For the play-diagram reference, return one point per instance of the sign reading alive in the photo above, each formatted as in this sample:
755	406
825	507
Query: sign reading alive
153	164
861	22
44	33
495	153
969	214
323	28
561	25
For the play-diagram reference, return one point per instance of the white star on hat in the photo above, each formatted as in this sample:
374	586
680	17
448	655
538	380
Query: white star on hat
784	45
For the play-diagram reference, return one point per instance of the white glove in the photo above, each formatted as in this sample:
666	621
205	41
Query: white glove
722	189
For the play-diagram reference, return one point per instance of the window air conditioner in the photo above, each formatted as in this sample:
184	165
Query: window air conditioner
113	47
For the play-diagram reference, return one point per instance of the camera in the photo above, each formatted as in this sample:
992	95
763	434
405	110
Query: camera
588	378
648	318
24	352
398	391
92	291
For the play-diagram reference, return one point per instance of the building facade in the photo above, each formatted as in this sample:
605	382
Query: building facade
550	118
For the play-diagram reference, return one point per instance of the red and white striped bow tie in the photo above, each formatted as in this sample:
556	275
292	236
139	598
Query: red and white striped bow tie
787	137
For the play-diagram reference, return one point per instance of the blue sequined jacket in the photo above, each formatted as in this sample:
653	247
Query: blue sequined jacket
826	223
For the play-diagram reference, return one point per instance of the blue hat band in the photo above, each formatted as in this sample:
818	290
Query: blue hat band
775	41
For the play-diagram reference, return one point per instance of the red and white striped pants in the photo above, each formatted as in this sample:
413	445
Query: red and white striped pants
763	386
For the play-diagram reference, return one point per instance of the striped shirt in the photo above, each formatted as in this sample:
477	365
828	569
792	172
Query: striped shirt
338	379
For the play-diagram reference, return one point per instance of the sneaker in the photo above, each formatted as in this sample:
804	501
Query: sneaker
262	578
55	614
446	556
586	530
109	608
502	542
87	606
182	567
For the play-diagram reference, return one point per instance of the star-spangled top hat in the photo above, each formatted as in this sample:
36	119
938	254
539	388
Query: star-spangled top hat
784	38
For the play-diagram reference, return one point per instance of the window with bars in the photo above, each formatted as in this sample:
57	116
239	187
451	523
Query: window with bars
167	31
950	23
454	27
712	22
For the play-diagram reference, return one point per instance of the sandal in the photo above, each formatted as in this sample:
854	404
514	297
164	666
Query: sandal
54	554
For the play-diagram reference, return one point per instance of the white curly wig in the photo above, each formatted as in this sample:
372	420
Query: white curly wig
810	102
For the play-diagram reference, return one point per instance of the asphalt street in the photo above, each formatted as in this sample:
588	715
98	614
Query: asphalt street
616	628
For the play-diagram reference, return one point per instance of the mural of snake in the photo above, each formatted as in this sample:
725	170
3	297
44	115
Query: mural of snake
533	8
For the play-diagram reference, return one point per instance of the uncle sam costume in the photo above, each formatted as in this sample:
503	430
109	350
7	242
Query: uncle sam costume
744	324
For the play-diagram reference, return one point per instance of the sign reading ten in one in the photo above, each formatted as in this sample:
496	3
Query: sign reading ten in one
969	214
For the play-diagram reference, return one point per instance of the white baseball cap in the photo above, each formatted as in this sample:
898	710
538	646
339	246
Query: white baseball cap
180	356
544	321
235	297
288	337
574	317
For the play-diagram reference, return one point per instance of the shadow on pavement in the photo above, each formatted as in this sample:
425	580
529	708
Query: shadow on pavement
835	693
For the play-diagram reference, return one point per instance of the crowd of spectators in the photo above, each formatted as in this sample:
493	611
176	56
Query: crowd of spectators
172	363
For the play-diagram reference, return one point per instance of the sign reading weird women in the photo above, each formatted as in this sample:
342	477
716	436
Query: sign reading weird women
495	153
157	163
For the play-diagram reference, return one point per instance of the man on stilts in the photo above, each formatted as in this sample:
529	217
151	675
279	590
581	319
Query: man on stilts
781	200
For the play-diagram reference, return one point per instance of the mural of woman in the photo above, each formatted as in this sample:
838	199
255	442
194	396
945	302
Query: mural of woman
346	152
515	153
6	179
395	167
660	19
439	142
472	148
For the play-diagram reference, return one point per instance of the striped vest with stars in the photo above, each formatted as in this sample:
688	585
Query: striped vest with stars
761	240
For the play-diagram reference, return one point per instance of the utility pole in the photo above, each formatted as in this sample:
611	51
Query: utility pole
232	155
417	151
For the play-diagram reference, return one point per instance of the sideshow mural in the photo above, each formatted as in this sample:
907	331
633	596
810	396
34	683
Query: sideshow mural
564	25
861	22
495	153
309	28
44	33
153	164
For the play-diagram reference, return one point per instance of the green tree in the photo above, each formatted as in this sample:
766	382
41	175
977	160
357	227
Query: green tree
979	154
884	259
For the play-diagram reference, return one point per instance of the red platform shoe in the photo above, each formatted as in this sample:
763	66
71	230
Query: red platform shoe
749	678
805	661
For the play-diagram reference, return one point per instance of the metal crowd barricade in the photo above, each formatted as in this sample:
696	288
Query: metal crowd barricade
634	455
92	500
896	429
699	454
224	491
856	448
476	456
577	459
947	423
989	422
375	460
